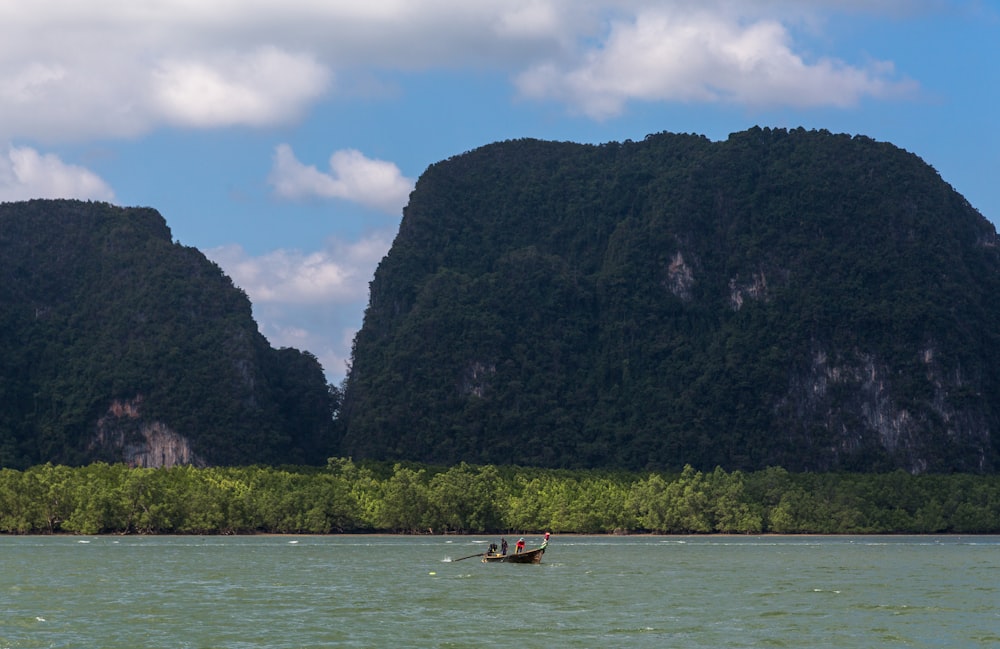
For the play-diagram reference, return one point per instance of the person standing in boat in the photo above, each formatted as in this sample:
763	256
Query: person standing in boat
503	546
519	548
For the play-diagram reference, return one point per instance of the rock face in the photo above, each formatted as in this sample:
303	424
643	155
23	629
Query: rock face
876	419
803	299
124	436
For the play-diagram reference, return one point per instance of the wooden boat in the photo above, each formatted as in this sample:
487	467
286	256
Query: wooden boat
525	556
528	556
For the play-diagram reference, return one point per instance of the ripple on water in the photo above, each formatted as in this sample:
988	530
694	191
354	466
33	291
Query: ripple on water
279	592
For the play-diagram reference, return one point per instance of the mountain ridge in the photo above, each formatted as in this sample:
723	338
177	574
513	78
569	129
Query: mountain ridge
122	345
793	298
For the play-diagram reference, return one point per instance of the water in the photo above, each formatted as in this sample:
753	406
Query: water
385	591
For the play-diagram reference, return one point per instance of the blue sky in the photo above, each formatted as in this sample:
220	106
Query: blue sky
283	138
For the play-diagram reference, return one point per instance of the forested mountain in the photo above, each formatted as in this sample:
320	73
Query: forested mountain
118	344
793	298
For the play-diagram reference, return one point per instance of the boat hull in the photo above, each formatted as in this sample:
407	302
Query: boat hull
528	556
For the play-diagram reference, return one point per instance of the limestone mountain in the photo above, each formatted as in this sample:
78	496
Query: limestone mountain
119	344
793	298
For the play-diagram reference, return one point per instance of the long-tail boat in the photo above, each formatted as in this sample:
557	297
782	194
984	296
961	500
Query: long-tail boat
524	556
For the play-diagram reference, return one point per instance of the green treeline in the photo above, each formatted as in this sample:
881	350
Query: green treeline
377	497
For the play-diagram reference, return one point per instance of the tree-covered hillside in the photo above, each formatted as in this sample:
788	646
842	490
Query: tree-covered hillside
119	344
802	299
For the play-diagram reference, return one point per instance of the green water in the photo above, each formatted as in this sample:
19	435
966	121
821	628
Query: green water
383	591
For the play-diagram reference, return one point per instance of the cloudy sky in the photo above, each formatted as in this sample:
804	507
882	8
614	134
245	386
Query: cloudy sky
283	138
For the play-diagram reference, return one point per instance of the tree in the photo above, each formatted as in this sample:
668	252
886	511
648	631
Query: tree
406	501
465	499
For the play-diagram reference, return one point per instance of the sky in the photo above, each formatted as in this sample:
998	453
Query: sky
282	139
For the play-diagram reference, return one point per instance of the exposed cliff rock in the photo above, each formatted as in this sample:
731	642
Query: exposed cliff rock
849	398
123	435
755	288
680	277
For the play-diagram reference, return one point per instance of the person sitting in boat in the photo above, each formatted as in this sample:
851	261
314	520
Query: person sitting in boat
519	548
492	549
503	546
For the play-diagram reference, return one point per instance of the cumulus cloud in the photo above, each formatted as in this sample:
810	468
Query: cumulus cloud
117	68
330	341
309	300
25	174
263	87
120	68
85	95
374	183
337	274
668	56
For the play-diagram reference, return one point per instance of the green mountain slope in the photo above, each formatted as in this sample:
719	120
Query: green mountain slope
801	299
120	345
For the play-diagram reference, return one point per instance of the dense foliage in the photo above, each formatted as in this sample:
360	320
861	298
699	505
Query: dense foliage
815	301
98	306
347	497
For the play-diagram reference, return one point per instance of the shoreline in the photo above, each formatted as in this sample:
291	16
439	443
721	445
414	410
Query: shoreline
490	535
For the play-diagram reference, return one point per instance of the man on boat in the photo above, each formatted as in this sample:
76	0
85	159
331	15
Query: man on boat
503	546
519	548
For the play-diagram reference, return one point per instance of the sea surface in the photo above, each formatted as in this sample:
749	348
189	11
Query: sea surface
403	591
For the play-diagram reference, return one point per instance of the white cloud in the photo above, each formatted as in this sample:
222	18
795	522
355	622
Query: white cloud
329	341
120	68
309	300
374	183
263	87
702	57
25	174
337	274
